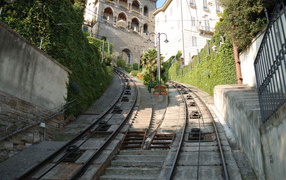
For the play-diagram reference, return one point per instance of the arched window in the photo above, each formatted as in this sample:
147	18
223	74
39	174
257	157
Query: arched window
135	6
145	29
121	20
135	24
146	11
108	15
122	16
123	3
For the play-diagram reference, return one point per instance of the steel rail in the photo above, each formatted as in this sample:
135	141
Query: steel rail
226	175
82	169
172	170
37	167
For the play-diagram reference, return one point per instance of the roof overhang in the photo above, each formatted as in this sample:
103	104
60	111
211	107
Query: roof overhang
163	8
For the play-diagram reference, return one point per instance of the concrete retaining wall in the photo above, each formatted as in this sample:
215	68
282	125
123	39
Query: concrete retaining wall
247	58
274	145
263	144
28	73
238	105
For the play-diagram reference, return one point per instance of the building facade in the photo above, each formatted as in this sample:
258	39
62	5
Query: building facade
125	23
189	24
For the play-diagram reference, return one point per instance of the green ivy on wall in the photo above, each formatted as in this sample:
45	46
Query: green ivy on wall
208	68
59	25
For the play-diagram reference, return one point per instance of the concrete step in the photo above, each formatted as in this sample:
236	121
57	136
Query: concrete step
143	152
132	171
134	163
141	158
127	177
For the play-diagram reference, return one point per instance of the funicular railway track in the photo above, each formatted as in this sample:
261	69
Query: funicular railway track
187	144
75	158
199	154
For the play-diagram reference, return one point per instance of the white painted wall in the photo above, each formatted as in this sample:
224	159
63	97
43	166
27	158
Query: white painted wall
181	21
247	58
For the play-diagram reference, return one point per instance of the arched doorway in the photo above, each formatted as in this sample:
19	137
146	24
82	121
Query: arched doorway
126	55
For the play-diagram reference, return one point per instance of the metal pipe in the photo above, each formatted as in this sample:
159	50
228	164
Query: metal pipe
158	64
237	64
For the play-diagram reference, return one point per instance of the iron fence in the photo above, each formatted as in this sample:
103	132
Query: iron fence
270	64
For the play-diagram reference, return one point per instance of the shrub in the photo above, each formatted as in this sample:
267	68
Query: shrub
121	63
135	66
147	79
134	73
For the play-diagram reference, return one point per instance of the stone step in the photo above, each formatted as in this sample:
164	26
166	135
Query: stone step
127	177
143	152
141	158
136	163
132	171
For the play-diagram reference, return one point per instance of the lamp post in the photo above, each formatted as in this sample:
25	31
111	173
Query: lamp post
159	57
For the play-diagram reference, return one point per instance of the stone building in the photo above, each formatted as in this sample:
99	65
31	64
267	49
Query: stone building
188	24
125	23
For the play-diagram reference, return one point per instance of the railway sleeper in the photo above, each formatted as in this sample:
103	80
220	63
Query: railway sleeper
134	139
195	115
162	141
196	134
192	103
117	110
72	154
127	93
125	99
189	97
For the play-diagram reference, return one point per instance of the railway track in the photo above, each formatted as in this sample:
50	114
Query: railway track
174	138
186	144
201	148
82	156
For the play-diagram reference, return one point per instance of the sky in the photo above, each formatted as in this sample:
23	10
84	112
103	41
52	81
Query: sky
160	3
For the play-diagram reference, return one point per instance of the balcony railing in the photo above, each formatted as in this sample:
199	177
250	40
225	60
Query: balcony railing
206	30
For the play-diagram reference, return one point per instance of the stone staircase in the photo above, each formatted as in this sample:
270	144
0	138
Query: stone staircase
135	165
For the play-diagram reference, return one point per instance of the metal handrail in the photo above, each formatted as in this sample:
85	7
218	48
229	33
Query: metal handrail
24	123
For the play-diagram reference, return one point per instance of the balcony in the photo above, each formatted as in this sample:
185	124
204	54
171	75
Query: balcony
206	9
193	5
110	1
205	30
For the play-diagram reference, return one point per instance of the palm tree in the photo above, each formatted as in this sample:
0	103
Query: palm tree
149	62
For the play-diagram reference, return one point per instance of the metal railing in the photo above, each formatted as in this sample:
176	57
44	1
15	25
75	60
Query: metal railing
270	64
19	126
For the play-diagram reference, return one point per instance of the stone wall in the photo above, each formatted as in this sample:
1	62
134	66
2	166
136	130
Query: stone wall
28	73
263	144
32	86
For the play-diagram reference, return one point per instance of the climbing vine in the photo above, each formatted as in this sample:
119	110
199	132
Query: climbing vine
208	68
59	25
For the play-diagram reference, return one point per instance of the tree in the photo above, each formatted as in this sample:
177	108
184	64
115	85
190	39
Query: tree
149	63
241	21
